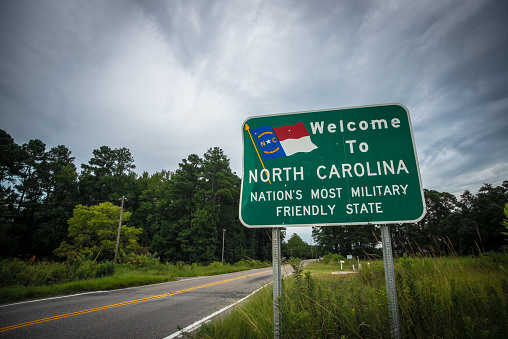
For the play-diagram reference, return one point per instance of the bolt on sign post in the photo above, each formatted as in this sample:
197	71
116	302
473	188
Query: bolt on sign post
346	166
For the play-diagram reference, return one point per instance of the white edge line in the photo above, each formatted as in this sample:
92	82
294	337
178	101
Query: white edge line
198	323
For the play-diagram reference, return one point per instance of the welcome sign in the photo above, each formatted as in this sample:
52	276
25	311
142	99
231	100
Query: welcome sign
346	166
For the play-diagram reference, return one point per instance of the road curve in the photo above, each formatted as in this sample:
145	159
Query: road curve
153	311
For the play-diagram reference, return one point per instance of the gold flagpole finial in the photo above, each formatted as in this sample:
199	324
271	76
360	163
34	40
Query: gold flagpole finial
254	144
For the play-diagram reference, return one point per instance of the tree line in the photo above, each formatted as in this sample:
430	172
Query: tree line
469	225
184	215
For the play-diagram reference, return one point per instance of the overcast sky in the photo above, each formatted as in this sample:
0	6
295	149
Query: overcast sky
170	78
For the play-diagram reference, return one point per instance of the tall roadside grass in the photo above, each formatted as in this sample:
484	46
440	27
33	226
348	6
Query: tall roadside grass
448	297
252	319
20	281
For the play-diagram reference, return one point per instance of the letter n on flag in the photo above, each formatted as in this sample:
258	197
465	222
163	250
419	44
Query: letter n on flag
283	141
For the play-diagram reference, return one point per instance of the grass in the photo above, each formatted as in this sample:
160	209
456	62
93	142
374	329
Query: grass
20	282
21	293
253	319
447	297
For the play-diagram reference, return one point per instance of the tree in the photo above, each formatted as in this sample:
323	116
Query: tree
32	174
157	216
221	189
484	213
61	173
29	185
108	175
204	236
154	205
356	240
11	156
185	185
434	232
297	248
440	205
93	231
184	213
327	237
61	191
505	222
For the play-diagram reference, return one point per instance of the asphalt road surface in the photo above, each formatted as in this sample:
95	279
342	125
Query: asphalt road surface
154	311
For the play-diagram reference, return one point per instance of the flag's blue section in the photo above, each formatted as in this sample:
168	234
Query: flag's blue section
269	145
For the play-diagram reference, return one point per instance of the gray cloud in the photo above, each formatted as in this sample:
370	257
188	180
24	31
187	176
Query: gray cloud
170	78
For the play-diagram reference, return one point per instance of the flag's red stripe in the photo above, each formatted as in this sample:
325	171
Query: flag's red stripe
291	131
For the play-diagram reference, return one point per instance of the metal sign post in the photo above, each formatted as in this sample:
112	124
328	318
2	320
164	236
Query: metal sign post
391	289
276	258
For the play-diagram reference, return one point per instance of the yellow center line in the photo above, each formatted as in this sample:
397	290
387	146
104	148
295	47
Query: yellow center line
33	322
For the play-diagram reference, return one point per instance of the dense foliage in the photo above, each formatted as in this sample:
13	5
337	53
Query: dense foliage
448	297
49	210
469	225
183	215
94	231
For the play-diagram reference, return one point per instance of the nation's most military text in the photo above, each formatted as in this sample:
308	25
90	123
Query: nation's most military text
347	166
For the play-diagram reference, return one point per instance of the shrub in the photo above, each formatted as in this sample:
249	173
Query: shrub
216	264
105	269
85	270
11	272
333	258
146	260
47	273
242	262
469	295
296	265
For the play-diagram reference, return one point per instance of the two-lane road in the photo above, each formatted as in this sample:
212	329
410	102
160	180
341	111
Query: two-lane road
154	311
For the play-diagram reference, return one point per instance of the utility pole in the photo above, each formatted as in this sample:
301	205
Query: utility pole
119	228
223	231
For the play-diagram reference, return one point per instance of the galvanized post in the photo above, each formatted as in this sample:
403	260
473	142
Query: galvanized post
391	290
276	282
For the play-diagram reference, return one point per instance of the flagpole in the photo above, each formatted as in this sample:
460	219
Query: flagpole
247	128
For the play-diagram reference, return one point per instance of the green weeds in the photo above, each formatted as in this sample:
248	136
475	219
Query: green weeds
21	281
448	297
253	319
46	273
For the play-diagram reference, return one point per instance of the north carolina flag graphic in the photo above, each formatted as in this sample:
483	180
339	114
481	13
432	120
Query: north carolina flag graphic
283	141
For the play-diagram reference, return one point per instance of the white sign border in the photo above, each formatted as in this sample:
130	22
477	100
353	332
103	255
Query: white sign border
334	224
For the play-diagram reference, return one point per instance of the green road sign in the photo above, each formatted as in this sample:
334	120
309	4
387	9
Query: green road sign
347	166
